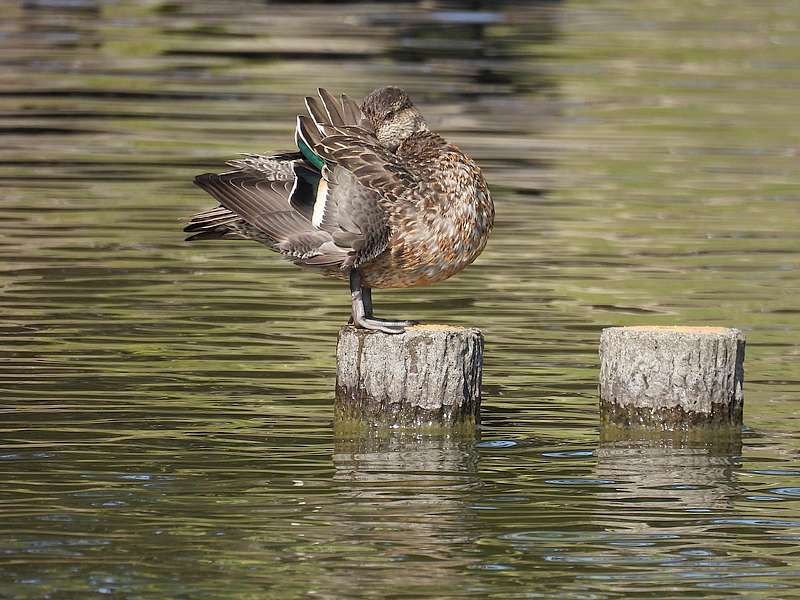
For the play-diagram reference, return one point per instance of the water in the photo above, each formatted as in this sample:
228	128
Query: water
167	408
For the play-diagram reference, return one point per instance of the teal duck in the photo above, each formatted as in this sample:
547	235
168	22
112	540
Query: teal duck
372	196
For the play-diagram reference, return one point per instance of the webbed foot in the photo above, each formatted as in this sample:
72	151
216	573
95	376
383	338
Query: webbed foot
396	323
373	324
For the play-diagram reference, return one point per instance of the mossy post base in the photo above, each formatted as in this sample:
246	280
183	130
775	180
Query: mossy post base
671	377
428	376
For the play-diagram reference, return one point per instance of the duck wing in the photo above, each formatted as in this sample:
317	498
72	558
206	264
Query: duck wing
314	219
361	179
216	223
337	133
326	206
222	223
263	212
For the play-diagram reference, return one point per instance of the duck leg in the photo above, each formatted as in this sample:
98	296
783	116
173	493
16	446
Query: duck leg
367	296
362	309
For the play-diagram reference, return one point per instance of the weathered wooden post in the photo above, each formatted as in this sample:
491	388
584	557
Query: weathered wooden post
429	375
671	377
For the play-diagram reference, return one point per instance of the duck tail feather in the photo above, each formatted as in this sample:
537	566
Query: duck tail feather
332	107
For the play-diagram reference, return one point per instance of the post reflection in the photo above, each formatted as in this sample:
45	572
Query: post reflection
405	494
668	482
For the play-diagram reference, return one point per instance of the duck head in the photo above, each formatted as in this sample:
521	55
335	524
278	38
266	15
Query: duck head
393	116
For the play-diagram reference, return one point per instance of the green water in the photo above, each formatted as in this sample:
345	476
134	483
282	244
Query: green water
167	425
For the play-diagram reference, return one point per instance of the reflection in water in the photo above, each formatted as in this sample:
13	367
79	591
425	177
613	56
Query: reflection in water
405	494
658	477
469	39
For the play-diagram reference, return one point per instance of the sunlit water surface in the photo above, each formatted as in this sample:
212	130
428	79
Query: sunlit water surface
167	407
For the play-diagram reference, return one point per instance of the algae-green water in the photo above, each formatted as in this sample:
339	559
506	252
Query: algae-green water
167	408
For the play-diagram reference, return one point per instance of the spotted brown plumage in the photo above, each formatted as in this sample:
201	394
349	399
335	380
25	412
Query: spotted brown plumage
372	196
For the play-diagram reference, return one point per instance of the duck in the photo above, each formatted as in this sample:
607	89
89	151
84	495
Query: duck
371	196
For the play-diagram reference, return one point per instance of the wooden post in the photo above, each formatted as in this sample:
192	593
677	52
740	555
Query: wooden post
671	377
429	375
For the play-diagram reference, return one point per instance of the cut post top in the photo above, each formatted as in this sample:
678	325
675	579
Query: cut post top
690	330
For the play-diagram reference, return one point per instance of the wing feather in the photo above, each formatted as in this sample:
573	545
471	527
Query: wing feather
351	112
317	111
325	206
261	203
331	107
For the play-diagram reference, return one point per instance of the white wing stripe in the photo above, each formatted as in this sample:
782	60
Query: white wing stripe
320	204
